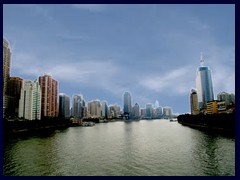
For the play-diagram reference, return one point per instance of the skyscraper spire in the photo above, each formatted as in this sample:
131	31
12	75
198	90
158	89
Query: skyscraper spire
202	60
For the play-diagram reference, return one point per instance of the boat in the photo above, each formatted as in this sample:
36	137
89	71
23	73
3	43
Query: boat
87	124
173	120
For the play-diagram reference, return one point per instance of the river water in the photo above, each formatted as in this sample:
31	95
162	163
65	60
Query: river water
137	148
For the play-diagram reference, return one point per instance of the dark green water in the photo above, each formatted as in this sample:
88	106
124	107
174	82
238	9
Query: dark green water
152	148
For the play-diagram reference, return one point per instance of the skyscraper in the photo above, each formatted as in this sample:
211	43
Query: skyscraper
30	101
156	104
204	85
6	70
136	111
127	103
64	106
149	111
78	105
194	102
49	88
104	109
14	91
94	108
167	111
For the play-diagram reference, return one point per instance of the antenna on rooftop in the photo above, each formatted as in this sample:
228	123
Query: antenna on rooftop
201	59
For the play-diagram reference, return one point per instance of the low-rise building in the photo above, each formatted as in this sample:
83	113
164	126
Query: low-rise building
212	107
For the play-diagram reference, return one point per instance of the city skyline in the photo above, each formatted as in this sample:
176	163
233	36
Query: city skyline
151	51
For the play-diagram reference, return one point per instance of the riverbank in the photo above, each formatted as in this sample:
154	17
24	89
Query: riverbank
220	123
27	127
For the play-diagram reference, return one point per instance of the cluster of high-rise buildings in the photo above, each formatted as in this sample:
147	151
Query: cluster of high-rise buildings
150	112
202	99
34	100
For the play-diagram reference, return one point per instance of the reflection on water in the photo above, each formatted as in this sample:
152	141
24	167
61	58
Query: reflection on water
148	147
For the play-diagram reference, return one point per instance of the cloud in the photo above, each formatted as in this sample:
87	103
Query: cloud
25	64
72	36
39	9
90	7
222	64
175	82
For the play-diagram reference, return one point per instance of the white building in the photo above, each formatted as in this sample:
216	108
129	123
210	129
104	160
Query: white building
167	111
30	101
226	97
114	111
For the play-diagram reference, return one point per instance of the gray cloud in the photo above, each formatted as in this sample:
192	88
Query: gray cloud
90	7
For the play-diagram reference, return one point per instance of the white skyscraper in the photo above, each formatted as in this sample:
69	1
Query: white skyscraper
30	101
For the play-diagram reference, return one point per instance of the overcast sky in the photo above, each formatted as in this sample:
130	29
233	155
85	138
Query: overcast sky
101	51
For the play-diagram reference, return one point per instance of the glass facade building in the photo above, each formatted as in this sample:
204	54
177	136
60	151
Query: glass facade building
204	86
127	103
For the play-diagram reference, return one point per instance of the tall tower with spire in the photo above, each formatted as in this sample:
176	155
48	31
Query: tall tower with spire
204	84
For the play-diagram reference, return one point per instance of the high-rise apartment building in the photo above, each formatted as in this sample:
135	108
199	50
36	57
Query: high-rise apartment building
149	111
159	112
94	108
104	109
194	102
114	111
136	111
78	106
15	85
49	88
228	98
204	85
6	71
30	101
127	103
64	106
167	111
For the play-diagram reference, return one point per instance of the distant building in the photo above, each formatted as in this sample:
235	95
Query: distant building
127	103
15	85
94	109
78	106
221	106
30	101
228	98
49	88
212	107
156	104
114	111
149	111
204	85
143	113
135	111
64	106
104	109
157	112
167	112
194	102
6	71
